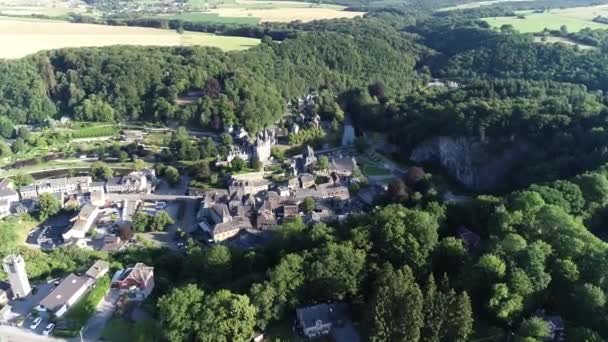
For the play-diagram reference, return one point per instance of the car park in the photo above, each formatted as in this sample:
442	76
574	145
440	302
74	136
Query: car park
49	328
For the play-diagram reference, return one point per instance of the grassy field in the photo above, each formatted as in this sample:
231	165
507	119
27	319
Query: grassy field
85	308
575	19
120	330
14	232
23	37
550	40
72	164
206	17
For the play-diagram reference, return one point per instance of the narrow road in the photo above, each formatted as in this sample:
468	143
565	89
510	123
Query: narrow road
94	327
151	197
13	334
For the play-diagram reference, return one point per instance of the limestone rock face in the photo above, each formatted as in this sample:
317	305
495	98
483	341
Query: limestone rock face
475	164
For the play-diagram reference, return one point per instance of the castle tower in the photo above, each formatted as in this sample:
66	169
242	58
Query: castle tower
263	145
14	266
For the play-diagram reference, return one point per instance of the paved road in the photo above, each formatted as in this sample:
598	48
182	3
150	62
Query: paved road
151	197
12	334
105	309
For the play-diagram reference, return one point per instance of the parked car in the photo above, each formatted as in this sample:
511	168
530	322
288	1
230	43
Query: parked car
48	329
36	323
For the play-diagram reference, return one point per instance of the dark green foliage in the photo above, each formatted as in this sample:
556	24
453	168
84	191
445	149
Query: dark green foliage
160	221
396	310
101	171
22	179
141	222
187	313
49	205
172	175
308	204
336	272
178	311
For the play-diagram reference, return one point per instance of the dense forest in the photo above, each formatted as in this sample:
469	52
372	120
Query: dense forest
117	84
402	267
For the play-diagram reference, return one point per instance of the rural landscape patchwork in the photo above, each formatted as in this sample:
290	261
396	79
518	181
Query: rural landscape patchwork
317	170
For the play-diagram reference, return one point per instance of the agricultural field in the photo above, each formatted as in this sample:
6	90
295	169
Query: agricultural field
279	11
208	17
23	37
575	19
253	12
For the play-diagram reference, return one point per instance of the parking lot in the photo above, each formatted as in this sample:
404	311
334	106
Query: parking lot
48	234
183	213
29	320
20	309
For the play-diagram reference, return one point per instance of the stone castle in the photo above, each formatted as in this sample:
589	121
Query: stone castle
246	148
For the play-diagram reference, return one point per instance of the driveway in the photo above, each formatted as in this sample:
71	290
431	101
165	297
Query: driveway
92	330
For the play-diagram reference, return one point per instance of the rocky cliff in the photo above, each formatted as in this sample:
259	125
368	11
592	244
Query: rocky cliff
477	165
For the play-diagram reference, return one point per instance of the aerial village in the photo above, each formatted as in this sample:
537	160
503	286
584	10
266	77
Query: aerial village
103	214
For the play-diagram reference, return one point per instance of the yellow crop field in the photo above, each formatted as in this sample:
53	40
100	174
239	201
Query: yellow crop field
286	14
282	11
20	37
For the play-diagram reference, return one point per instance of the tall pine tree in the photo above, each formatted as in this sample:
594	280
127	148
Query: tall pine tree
460	317
434	312
397	307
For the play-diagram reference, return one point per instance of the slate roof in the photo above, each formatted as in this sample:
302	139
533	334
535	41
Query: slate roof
470	239
98	269
64	291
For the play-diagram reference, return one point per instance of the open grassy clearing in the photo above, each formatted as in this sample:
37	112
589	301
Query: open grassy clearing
14	230
207	17
575	19
551	40
23	37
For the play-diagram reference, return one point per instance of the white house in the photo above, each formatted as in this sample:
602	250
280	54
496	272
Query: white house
28	192
82	222
315	320
66	294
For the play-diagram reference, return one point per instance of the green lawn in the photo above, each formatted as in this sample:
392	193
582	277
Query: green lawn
85	308
94	131
551	40
13	232
61	165
575	19
119	330
371	170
